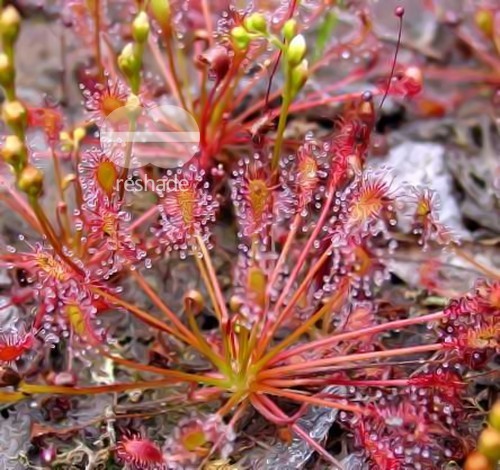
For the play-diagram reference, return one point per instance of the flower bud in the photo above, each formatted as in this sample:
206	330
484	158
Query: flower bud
289	29
477	461
296	50
78	134
161	11
494	417
15	115
129	60
241	38
235	303
298	77
414	80
489	444
66	141
14	151
218	60
484	21
256	22
68	180
140	27
193	302
10	22
7	72
30	181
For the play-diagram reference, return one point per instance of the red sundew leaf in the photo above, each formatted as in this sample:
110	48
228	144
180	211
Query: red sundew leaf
108	232
254	198
415	422
106	175
490	294
195	435
378	452
98	173
101	100
426	222
371	199
140	453
307	174
13	345
471	326
186	208
440	381
78	312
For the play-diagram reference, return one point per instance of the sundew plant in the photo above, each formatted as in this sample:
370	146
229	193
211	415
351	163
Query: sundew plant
203	307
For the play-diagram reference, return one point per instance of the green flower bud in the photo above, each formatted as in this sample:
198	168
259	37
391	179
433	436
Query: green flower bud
140	27
494	417
129	60
289	29
194	302
477	461
10	23
15	115
30	181
14	151
235	303
161	11
485	21
296	50
78	135
489	444
256	22
241	38
298	77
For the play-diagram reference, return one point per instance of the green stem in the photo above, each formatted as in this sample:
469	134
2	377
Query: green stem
172	374
173	70
205	347
30	389
128	156
141	314
97	38
285	107
66	226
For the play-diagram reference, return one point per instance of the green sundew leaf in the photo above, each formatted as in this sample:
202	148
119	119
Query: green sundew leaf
325	31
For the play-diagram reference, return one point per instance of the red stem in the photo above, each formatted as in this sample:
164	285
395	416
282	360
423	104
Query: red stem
310	399
371	330
310	382
312	367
